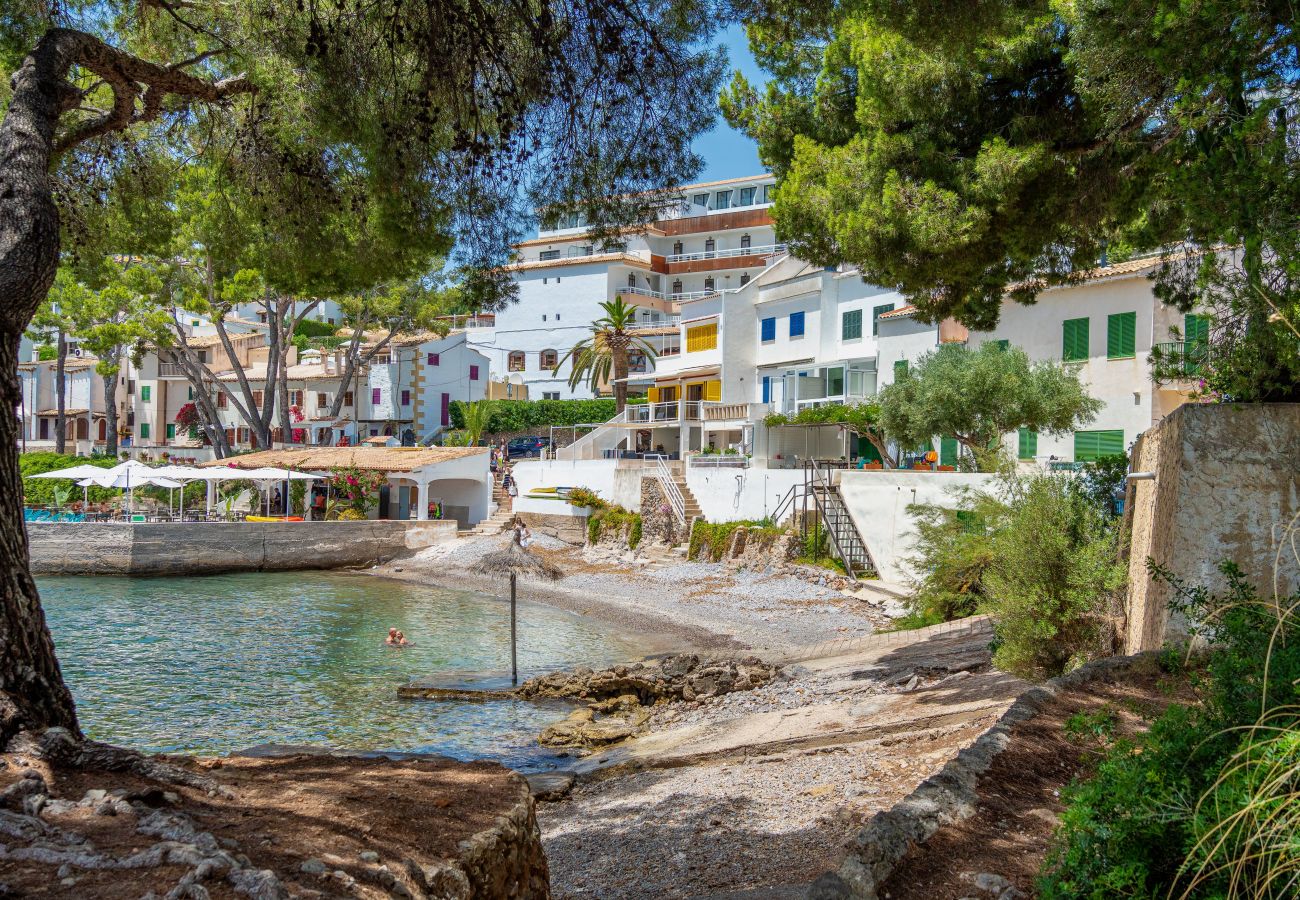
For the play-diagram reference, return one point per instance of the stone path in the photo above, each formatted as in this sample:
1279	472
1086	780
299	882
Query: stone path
760	791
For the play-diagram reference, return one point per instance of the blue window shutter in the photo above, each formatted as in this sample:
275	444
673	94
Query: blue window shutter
796	324
767	388
769	329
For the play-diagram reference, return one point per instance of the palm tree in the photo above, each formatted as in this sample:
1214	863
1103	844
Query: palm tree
603	357
477	415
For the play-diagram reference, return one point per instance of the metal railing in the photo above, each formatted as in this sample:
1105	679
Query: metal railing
170	370
764	250
1181	358
670	489
717	461
669	411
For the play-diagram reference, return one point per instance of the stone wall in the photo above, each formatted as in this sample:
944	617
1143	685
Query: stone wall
204	548
570	529
658	524
1226	487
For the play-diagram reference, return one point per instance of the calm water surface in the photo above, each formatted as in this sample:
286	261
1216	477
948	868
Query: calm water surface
218	663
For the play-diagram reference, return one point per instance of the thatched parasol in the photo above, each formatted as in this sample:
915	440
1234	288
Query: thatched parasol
514	561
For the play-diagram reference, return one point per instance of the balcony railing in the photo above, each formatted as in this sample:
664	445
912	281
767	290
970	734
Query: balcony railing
660	295
670	412
765	250
170	370
723	412
1184	359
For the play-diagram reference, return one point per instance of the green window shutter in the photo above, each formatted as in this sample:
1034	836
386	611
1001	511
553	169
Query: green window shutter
144	430
1074	340
1028	448
1090	445
851	325
171	432
144	393
1121	335
900	369
947	451
1196	328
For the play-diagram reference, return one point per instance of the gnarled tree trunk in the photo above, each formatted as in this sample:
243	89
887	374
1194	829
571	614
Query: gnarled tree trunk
33	695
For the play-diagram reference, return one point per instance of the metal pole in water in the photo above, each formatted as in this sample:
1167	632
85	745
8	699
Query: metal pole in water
514	655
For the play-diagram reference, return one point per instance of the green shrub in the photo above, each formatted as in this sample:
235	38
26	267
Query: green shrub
309	328
1039	554
40	491
1053	578
581	496
536	415
713	538
608	516
954	550
1206	805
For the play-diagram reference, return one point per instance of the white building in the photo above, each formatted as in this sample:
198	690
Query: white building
716	239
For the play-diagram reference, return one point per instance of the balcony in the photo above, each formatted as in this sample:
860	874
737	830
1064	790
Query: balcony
720	260
170	370
659	295
671	412
745	217
1178	360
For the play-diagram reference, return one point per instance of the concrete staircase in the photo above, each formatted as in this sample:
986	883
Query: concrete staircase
658	556
502	516
677	475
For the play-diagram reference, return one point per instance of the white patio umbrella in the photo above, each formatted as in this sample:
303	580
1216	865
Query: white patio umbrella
76	473
127	480
183	474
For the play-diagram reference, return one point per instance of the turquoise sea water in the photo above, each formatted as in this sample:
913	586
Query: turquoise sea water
219	663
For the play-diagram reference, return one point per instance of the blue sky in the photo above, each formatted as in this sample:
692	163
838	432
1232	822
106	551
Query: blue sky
728	153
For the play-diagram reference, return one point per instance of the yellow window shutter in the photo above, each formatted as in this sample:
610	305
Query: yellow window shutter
702	337
652	395
713	390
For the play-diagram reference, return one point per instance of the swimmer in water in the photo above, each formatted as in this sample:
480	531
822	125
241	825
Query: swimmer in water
402	641
394	638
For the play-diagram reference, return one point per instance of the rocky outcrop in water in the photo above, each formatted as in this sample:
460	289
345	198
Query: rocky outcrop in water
616	699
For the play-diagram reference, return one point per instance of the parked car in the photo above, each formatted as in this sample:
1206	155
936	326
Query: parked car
522	447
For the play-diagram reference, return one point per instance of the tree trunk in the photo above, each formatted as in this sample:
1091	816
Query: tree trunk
60	389
620	378
32	693
110	408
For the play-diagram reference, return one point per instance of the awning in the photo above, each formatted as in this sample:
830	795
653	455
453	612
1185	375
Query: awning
696	372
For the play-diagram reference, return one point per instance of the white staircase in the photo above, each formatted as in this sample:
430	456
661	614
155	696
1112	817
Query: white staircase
594	443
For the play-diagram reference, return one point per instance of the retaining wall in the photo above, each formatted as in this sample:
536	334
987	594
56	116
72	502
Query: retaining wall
203	548
1226	487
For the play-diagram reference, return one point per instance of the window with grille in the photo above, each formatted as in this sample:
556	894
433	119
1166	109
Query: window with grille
550	359
515	363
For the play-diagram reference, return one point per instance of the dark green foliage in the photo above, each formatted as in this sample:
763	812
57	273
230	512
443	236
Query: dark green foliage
511	416
977	396
1038	555
967	151
311	329
40	491
954	549
1192	805
1100	479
